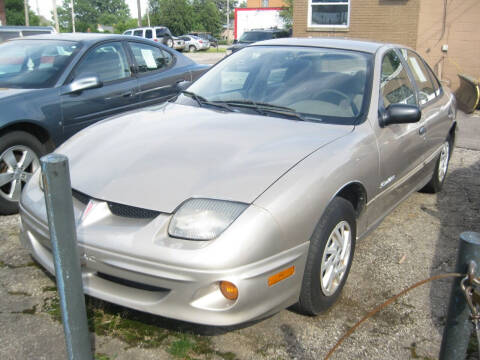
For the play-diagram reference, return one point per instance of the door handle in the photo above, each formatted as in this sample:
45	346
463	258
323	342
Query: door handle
422	130
127	94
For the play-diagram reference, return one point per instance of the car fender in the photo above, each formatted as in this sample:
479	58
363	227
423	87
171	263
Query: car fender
299	198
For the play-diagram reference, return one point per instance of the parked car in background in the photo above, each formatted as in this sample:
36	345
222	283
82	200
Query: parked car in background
194	43
206	36
159	34
10	32
52	86
248	193
178	44
249	37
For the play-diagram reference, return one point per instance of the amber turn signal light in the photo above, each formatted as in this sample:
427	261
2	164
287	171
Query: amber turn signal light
229	290
282	275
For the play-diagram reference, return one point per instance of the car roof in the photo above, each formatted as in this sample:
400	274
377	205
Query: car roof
334	43
30	28
79	37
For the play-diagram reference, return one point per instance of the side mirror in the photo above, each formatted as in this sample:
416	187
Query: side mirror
84	83
235	41
182	85
400	114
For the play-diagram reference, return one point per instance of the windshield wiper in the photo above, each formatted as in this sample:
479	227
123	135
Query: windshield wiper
202	101
264	108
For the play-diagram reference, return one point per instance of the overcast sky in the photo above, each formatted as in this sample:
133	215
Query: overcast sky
45	7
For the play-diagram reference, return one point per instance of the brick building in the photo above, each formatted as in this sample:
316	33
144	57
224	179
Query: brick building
425	25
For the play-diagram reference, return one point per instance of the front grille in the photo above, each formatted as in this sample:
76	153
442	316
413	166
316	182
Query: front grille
119	209
129	283
132	211
83	198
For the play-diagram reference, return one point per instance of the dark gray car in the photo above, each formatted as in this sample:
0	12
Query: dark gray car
52	86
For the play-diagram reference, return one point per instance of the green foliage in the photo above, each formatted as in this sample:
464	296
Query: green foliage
183	16
125	24
221	5
88	14
287	13
206	17
15	13
177	15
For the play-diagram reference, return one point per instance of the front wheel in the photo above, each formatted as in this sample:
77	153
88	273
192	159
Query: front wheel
19	159
440	172
330	256
170	43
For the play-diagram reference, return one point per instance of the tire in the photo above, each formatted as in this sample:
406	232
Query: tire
16	147
316	295
192	48
435	184
170	43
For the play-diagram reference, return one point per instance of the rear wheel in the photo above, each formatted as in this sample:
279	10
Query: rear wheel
19	159
191	48
440	172
330	256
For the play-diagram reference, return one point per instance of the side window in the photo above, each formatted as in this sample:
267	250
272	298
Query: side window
395	85
159	32
107	61
436	83
148	58
426	89
168	57
148	33
138	33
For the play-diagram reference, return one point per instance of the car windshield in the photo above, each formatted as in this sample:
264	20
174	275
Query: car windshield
252	36
318	84
34	64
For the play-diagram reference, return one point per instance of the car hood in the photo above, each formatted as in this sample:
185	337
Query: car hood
8	92
161	156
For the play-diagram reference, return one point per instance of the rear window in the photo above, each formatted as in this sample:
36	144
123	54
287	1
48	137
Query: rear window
7	35
30	32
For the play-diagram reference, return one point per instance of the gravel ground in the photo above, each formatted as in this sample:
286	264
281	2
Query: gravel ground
418	240
209	58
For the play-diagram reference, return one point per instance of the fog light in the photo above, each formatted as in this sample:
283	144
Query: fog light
229	290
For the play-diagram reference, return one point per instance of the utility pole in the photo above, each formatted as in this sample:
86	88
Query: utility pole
55	15
148	17
73	16
228	20
139	11
25	5
3	16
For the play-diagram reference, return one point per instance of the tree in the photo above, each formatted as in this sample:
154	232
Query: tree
287	13
206	16
90	13
222	7
15	12
125	24
177	15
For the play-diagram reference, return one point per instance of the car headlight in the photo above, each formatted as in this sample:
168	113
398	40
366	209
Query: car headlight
204	219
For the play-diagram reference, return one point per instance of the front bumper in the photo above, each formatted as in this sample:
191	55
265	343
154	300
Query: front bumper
173	281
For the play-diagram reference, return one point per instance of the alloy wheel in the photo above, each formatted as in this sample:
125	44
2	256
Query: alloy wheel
336	256
17	165
443	163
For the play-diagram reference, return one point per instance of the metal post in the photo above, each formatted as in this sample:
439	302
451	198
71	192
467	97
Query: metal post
73	16
25	5
55	16
58	199
139	13
458	328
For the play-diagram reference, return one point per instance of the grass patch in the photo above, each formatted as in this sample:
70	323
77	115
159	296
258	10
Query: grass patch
142	330
101	356
214	50
49	288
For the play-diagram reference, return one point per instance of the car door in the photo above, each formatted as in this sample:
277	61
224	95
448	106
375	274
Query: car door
401	146
434	103
119	91
156	72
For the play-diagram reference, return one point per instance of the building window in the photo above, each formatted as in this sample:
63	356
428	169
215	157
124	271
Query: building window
329	13
264	3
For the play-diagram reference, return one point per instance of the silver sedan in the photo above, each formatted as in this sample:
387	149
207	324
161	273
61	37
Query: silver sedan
247	193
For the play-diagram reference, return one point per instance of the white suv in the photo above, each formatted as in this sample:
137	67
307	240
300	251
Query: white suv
156	33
